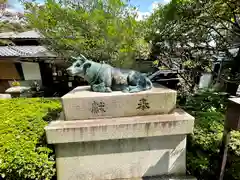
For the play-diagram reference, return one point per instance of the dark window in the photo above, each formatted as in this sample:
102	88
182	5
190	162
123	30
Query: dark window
19	70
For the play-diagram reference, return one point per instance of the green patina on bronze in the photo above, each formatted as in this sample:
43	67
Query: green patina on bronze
105	78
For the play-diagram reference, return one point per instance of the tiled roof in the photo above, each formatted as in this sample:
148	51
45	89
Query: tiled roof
24	35
25	51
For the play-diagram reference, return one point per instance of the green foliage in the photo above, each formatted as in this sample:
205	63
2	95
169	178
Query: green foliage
100	30
203	146
192	33
6	26
24	153
203	158
206	101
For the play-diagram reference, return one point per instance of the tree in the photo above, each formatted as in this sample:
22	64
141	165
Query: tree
14	27
102	30
197	33
10	24
7	26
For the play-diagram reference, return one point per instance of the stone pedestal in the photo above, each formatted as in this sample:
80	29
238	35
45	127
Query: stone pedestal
81	103
125	140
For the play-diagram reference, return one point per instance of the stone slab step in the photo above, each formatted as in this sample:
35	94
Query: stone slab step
81	103
176	123
163	178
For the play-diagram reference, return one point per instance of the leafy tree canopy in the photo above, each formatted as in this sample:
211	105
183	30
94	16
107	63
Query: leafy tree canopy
195	33
100	29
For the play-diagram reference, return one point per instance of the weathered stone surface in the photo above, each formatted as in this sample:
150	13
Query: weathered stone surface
128	136
165	178
126	158
178	122
81	103
118	148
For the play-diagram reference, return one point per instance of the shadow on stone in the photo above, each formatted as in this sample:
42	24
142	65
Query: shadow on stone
160	167
118	146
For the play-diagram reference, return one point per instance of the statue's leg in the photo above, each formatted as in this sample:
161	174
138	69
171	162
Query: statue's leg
133	82
134	89
126	89
107	79
138	83
100	88
108	89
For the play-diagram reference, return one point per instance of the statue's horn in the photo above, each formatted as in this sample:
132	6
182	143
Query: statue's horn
83	57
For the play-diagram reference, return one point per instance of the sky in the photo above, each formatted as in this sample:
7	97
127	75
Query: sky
145	7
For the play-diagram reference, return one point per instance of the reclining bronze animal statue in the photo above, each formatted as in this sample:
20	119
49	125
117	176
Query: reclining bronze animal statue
105	78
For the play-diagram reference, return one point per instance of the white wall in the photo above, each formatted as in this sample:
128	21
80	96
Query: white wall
31	71
205	80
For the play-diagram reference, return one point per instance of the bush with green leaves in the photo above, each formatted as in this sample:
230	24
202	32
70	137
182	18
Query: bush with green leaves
203	151
24	153
204	100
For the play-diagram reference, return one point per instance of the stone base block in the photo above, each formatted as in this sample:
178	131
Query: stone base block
165	178
121	148
81	103
117	159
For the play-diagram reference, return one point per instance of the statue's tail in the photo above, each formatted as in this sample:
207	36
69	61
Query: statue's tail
149	84
139	88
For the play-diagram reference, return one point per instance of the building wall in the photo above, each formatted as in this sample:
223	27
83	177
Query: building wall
205	80
3	85
31	71
8	71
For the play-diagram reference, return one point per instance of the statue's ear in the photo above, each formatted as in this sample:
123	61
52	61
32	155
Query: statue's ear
85	67
74	58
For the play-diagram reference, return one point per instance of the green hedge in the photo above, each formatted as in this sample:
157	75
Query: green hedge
203	156
24	153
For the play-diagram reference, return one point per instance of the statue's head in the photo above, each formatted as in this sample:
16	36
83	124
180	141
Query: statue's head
79	66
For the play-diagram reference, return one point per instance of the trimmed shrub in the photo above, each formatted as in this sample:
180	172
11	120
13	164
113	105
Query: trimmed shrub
203	158
204	101
24	153
203	146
